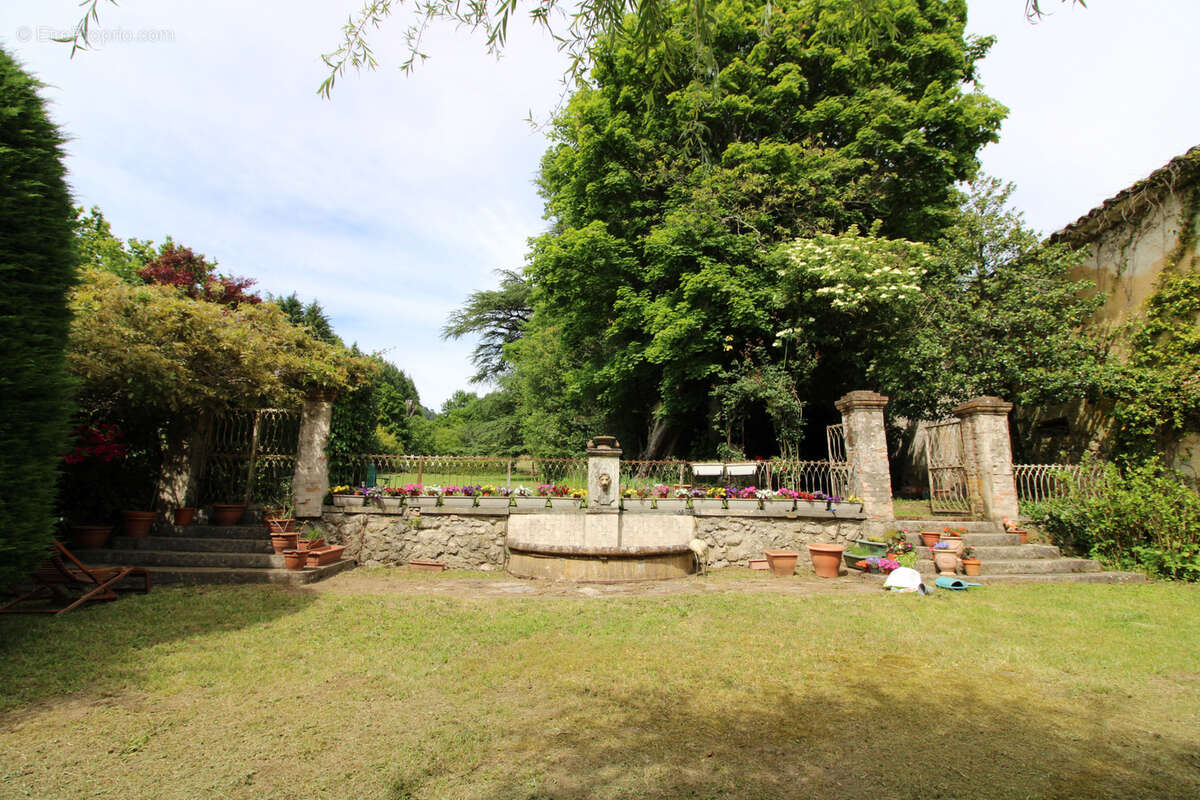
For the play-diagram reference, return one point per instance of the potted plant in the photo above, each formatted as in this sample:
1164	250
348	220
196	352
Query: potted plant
1012	527
227	514
970	562
494	499
458	498
137	524
391	499
779	502
708	500
743	499
90	488
560	496
953	533
527	499
294	559
930	538
310	538
637	499
667	500
184	515
945	558
348	496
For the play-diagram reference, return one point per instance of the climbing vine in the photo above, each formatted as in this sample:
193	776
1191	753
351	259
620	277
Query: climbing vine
1159	387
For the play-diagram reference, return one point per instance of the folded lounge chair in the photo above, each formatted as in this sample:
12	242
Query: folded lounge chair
65	579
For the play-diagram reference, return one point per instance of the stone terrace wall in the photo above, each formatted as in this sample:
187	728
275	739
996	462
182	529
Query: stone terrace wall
476	541
733	541
377	539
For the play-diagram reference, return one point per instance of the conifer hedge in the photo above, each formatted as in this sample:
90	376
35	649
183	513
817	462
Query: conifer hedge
37	266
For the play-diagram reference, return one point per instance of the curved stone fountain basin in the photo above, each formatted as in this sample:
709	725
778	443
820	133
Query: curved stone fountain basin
600	548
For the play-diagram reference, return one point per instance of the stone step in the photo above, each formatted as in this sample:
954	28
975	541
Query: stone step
1055	577
1039	566
261	544
216	531
971	526
181	558
979	539
180	575
1005	552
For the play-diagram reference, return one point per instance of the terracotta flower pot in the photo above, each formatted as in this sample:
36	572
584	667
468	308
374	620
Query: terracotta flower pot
269	514
282	542
136	524
946	562
185	515
825	559
930	538
1023	533
90	537
783	562
225	514
278	525
325	555
294	559
311	544
971	566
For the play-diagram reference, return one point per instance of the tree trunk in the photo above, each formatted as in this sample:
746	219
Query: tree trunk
184	457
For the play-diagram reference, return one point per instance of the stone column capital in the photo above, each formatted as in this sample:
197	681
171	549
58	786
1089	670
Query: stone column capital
983	405
861	399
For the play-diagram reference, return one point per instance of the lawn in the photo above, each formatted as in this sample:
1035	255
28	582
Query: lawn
360	690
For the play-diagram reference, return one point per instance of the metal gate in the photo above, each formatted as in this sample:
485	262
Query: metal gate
251	457
949	483
839	463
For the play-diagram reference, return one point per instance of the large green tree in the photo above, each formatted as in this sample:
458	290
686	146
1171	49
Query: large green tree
654	280
37	267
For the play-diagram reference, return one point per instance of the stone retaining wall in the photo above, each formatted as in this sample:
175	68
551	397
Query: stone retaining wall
378	539
476	541
733	541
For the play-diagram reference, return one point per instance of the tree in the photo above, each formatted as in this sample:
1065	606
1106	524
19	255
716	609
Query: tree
655	275
311	317
644	24
99	248
499	317
37	267
196	277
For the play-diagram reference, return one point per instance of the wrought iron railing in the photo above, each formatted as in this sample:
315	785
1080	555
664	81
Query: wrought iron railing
1038	482
251	457
390	469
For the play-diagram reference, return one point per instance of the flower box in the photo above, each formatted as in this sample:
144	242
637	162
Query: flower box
742	469
457	503
530	503
707	504
427	565
708	470
637	504
743	504
320	556
391	503
493	503
421	501
779	506
349	500
811	506
567	503
670	505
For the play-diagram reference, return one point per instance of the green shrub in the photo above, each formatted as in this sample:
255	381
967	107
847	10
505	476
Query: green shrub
37	267
1143	517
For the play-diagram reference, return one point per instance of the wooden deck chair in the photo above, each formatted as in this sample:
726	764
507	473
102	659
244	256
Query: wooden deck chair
61	578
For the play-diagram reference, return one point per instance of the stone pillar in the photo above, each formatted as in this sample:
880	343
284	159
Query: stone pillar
866	451
311	480
987	451
604	475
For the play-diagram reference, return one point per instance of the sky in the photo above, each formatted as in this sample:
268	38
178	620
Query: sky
394	200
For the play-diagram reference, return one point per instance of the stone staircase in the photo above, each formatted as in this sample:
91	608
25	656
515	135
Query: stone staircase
1005	560
195	554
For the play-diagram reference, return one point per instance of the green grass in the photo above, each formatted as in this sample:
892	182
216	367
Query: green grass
257	692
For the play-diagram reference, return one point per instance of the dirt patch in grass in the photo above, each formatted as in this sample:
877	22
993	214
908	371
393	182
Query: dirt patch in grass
468	585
